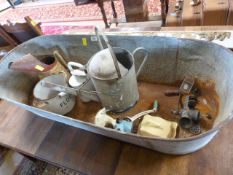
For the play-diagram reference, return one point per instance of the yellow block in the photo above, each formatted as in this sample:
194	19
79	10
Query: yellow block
84	40
33	23
38	67
157	127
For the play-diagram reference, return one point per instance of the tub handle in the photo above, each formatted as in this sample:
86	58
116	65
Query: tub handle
144	59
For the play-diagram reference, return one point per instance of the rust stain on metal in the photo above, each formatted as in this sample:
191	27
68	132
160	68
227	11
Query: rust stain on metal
152	91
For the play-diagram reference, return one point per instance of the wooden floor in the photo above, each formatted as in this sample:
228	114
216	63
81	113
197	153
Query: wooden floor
92	154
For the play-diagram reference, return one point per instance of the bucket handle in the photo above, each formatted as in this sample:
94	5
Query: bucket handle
144	59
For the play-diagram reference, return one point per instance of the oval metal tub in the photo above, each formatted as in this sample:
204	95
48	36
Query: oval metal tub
169	60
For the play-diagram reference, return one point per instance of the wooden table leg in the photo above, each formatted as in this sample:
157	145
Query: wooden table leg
101	6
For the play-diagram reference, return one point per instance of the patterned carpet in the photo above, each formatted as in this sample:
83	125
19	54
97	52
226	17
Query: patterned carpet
13	163
68	12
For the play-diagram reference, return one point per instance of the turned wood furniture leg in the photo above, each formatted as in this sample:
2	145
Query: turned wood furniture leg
101	6
166	4
163	11
114	12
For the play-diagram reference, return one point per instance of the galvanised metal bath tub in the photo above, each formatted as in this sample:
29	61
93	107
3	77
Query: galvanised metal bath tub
169	60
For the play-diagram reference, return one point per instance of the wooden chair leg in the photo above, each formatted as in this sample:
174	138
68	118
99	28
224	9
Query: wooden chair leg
101	6
114	12
167	5
7	37
164	10
35	27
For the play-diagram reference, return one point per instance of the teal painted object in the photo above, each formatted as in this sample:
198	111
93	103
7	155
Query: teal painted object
156	105
124	126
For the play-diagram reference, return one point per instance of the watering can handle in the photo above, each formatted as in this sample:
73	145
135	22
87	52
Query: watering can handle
114	58
144	59
74	64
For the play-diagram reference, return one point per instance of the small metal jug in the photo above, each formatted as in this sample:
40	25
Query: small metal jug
49	100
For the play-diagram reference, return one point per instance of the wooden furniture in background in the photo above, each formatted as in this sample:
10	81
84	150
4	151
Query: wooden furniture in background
33	25
207	13
21	32
230	13
171	19
93	154
164	10
6	37
100	4
14	34
11	3
215	12
135	10
191	15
